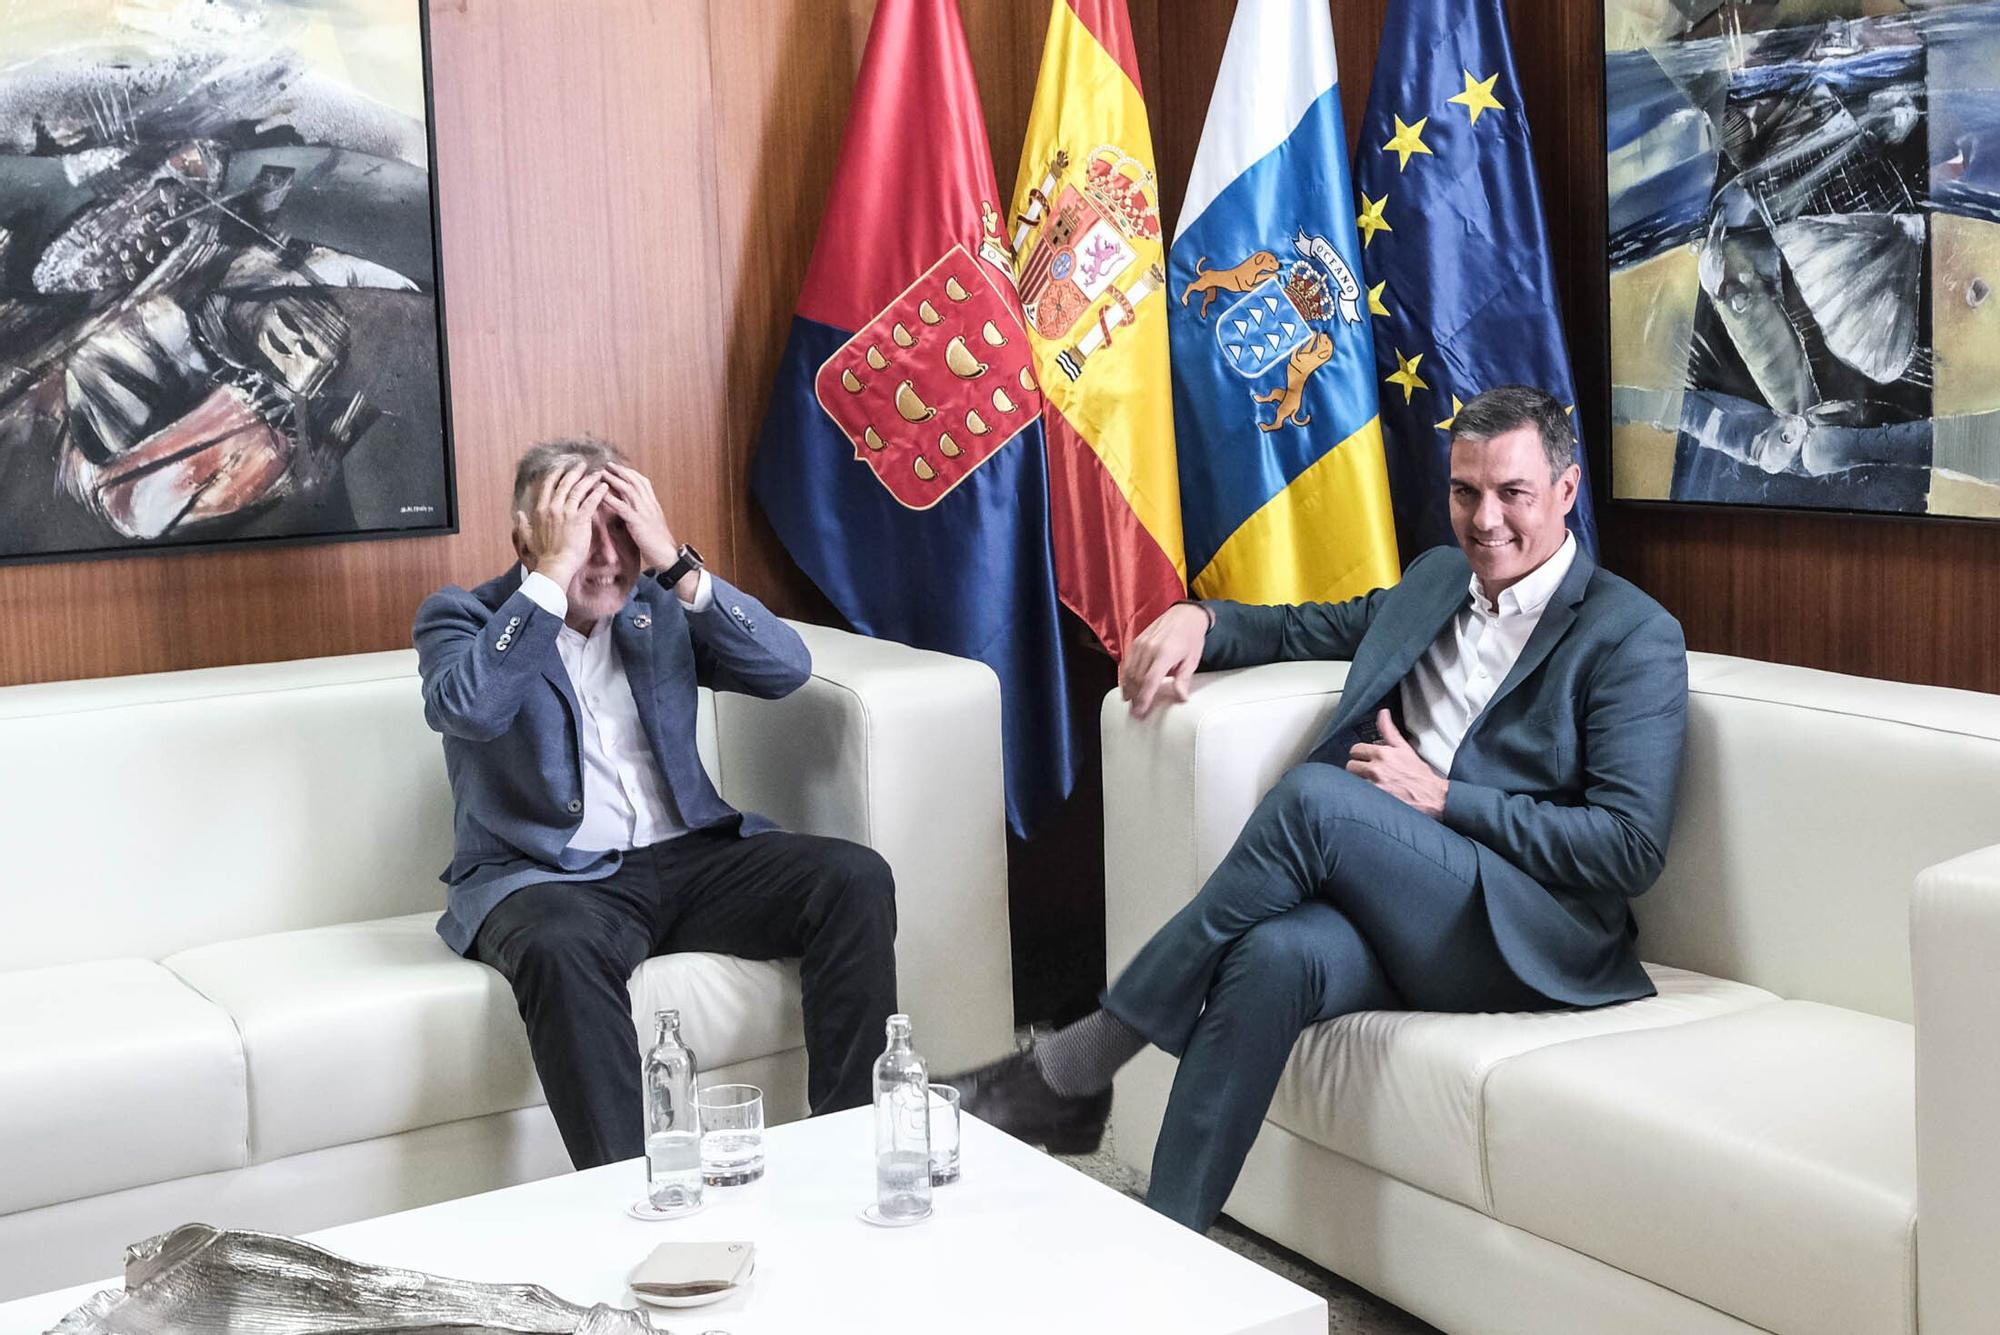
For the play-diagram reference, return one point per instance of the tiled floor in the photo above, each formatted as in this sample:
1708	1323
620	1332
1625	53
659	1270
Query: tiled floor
1350	1311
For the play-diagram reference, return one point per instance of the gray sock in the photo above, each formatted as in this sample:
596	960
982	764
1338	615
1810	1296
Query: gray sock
1081	1058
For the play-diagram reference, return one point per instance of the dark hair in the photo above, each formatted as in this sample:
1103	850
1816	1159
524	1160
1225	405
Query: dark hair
1505	407
554	455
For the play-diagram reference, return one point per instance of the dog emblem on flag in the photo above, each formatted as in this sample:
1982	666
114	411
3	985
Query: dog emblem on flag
1285	317
935	384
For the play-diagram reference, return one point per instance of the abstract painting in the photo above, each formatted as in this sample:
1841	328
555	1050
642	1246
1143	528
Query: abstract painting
1804	238
220	318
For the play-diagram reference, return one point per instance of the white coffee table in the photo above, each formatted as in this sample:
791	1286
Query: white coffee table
1022	1243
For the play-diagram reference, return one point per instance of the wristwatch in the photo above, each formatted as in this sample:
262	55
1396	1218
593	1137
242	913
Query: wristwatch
690	561
1196	602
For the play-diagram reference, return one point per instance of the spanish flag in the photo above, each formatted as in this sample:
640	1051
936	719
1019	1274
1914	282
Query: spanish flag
1090	261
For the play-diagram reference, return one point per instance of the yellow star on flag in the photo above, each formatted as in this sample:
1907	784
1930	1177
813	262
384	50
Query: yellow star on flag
1409	141
1478	95
1445	425
1375	306
1406	375
1371	220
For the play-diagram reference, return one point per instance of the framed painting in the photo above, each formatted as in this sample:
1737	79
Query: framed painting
221	320
1804	221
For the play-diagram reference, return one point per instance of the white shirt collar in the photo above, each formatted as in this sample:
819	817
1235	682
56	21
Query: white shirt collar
1534	589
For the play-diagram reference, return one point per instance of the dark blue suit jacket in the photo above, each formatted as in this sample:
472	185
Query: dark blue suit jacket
1567	781
496	688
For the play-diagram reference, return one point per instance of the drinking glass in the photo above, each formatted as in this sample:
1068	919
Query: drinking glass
732	1134
944	1134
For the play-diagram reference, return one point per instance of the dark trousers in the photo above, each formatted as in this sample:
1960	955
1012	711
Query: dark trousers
1335	898
569	948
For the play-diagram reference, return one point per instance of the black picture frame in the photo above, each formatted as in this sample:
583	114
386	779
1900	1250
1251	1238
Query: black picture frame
312	521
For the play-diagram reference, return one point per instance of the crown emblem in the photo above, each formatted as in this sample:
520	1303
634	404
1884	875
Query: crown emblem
1307	292
1124	191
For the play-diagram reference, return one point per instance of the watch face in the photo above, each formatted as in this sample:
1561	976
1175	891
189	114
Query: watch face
690	557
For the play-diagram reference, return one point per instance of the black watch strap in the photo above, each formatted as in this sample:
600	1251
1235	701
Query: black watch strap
689	562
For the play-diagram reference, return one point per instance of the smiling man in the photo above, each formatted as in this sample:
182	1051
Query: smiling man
1495	786
589	836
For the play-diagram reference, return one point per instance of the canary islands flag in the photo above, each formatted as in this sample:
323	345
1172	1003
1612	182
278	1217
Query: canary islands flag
1454	248
901	461
1284	495
1091	262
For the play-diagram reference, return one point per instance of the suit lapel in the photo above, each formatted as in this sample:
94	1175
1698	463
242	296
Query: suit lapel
1406	640
632	632
1556	620
556	675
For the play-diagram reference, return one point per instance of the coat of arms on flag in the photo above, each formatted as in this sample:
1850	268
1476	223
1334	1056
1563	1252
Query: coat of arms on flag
1285	316
1265	265
902	460
1080	249
931	387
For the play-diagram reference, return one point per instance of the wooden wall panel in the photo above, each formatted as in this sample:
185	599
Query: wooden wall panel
630	193
579	259
573	159
783	80
1909	599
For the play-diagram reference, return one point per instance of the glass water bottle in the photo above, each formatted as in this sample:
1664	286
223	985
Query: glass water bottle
902	1128
673	1126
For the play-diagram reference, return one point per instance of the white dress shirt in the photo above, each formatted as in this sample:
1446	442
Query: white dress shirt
625	802
1465	665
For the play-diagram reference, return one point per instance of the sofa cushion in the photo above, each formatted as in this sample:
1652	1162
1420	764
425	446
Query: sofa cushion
418	1035
138	778
1763	1163
1810	803
1401	1091
142	781
117	1075
363	1029
732	1010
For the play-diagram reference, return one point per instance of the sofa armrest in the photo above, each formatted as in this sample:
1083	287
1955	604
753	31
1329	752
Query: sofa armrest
1179	785
899	749
1954	941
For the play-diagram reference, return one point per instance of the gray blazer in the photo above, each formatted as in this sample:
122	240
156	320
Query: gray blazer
1567	781
495	687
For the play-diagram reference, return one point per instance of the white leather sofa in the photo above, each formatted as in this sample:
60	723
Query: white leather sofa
221	997
1800	1133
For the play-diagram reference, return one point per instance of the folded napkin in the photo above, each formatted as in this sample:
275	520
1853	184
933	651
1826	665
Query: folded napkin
688	1269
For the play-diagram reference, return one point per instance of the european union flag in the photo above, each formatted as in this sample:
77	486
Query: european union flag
1454	248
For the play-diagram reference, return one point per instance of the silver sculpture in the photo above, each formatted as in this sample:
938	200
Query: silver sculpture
200	1280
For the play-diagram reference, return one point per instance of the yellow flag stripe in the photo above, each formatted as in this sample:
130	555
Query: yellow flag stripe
1325	537
1122	405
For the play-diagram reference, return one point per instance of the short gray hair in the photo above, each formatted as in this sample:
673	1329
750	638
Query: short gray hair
1505	407
552	456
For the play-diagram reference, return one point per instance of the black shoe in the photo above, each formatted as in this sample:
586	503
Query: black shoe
1012	1094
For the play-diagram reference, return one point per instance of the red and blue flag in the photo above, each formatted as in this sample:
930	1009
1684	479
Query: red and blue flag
902	459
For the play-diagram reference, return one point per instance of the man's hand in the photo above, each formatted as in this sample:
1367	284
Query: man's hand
1394	766
554	535
631	498
1164	657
